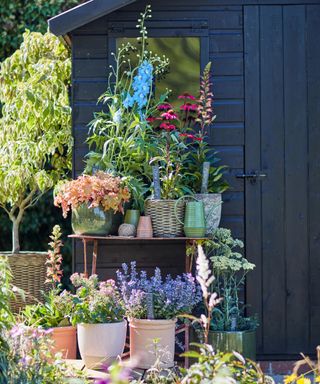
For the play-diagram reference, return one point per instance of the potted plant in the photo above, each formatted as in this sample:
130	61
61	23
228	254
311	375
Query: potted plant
230	329
35	141
152	306
205	179
120	136
93	199
99	316
58	305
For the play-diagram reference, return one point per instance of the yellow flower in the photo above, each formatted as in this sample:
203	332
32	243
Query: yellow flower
303	380
290	379
317	379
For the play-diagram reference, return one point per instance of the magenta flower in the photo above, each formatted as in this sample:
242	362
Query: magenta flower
170	115
164	107
167	126
189	107
186	95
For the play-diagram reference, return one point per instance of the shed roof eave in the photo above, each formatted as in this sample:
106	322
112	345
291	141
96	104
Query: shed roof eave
82	14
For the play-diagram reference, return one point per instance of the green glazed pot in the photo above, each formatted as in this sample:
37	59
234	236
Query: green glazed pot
91	221
132	217
243	342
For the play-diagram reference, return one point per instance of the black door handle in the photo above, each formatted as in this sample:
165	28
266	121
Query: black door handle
252	176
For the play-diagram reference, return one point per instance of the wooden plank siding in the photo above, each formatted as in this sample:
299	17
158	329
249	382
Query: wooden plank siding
266	60
282	100
90	67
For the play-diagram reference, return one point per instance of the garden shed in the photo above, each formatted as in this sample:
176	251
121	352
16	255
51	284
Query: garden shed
266	78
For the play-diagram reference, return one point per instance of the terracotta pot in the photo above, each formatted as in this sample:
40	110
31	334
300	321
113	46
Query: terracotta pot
101	344
142	334
65	341
144	229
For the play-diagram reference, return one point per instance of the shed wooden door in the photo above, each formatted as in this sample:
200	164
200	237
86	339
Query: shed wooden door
282	130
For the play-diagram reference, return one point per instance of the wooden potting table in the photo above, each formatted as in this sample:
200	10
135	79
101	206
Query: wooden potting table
86	239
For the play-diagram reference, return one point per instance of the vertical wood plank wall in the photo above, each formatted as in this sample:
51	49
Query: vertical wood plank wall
90	67
266	61
282	133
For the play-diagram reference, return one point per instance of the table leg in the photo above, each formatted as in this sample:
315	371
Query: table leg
85	272
186	344
94	257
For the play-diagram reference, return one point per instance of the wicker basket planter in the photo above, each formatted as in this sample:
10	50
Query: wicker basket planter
164	215
29	273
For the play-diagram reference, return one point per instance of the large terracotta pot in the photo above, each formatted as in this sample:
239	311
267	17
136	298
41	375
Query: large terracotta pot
142	334
65	341
101	344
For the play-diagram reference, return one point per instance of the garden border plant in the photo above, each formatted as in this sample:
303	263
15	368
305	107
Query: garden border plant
35	134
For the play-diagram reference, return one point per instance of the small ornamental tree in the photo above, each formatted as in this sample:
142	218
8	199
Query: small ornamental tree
35	127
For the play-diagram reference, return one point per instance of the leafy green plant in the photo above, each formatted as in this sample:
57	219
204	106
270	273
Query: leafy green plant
230	269
119	133
200	151
35	129
219	368
34	17
57	307
6	317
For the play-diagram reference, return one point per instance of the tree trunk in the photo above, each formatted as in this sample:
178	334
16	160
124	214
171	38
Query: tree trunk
15	236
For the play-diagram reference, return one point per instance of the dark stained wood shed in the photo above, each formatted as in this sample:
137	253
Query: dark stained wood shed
266	67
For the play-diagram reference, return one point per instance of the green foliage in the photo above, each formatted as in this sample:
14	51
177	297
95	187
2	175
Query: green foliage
18	15
120	135
219	368
230	269
54	312
6	317
35	135
199	153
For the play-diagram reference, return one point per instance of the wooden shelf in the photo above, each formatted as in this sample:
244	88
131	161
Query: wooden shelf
115	238
86	239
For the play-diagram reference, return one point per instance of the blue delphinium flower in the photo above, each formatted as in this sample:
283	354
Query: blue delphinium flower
141	86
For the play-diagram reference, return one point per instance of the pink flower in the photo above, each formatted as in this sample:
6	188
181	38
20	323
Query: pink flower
168	126
164	107
186	95
189	107
151	119
170	115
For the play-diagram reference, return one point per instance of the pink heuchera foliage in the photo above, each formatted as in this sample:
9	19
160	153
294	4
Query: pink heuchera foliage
101	189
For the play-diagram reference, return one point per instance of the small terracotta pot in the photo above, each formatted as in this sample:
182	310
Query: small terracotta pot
142	334
65	341
144	229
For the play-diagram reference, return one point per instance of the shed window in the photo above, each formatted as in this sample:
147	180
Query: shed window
184	55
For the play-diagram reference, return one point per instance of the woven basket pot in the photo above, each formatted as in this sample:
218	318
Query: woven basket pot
165	216
29	273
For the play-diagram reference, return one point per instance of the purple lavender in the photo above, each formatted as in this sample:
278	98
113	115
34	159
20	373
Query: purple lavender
171	297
